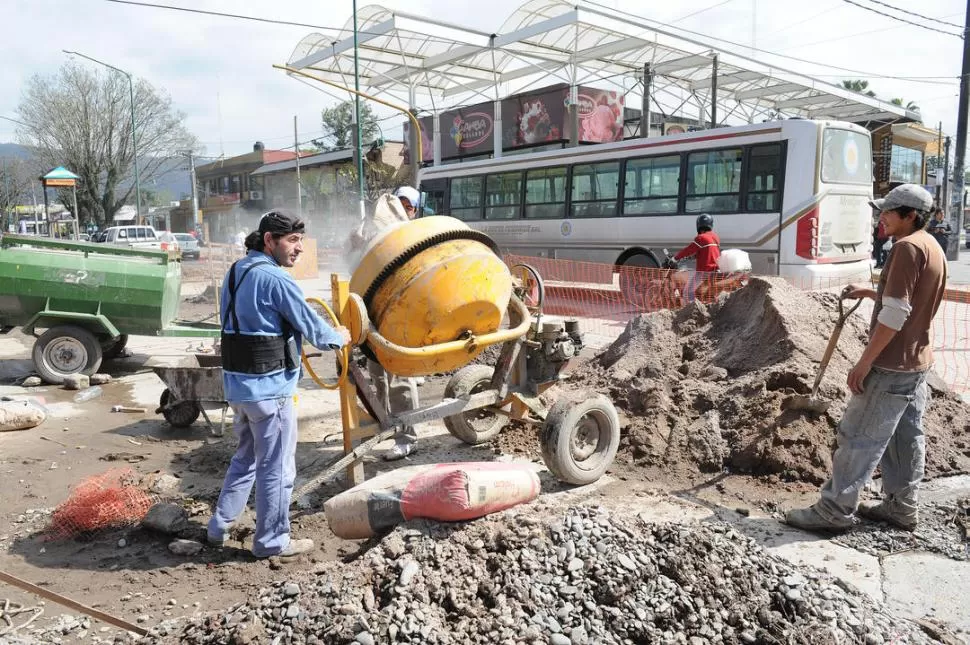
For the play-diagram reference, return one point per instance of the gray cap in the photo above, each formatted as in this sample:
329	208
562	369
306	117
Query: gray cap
907	195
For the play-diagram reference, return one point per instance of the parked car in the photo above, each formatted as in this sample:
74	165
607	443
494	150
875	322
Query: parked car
140	237
189	245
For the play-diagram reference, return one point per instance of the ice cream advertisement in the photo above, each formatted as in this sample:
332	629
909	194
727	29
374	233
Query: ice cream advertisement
600	115
427	139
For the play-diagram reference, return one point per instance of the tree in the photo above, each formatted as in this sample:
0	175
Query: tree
80	118
858	85
912	107
14	186
338	126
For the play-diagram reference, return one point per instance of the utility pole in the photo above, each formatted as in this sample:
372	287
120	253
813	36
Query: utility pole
357	128
645	104
939	151
195	196
956	199
299	191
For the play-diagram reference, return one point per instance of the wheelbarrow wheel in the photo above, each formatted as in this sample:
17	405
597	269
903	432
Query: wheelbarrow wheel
180	415
472	426
65	350
579	440
115	347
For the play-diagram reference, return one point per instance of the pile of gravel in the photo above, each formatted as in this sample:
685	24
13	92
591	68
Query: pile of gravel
583	576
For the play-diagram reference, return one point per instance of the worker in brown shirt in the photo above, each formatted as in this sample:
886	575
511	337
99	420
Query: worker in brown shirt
882	424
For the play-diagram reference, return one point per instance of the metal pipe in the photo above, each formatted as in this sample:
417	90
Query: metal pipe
360	145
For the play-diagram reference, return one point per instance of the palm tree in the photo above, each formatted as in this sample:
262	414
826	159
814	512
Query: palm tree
912	107
858	85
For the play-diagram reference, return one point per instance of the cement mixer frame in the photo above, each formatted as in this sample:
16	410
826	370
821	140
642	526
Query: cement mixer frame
579	435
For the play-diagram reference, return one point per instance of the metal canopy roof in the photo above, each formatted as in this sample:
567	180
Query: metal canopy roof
434	65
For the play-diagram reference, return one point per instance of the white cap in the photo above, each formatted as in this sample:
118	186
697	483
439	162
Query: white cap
410	194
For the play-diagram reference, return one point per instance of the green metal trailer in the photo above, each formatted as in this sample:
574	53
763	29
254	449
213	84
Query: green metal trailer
87	298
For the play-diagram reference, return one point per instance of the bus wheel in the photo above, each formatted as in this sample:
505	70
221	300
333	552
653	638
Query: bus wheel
633	281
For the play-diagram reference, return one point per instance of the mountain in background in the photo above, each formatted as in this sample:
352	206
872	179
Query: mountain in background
173	182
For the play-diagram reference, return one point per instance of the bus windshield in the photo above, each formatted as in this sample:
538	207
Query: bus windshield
846	157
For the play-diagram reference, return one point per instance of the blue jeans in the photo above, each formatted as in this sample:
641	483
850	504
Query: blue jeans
267	457
882	426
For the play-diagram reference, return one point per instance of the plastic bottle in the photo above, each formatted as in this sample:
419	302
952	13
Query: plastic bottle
88	394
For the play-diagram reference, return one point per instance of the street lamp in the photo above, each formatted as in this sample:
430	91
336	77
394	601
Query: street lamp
134	139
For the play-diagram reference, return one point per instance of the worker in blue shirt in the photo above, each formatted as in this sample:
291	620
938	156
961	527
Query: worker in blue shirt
265	319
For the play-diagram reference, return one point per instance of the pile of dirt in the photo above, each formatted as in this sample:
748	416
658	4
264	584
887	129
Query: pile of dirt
702	388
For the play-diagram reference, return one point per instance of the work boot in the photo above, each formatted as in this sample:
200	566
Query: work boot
809	519
216	541
890	512
295	547
399	451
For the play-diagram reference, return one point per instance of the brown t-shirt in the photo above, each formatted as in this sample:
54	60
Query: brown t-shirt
915	272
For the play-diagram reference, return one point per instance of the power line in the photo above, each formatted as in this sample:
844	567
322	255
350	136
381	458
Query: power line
700	11
837	38
917	15
908	22
915	79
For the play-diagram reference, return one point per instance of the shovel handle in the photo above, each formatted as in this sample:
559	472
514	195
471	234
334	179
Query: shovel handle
833	341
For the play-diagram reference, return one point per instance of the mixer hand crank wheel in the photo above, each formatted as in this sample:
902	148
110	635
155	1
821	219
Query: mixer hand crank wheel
580	440
472	426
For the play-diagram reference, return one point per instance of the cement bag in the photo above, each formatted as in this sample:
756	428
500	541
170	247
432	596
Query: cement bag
20	415
733	261
446	492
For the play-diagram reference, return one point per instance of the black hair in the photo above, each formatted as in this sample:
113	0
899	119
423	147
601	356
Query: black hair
255	241
920	218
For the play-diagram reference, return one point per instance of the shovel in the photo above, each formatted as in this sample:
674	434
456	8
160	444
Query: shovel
812	403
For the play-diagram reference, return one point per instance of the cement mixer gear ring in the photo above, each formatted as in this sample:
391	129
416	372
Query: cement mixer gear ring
423	245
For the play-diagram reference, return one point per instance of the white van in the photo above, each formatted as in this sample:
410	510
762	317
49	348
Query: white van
140	237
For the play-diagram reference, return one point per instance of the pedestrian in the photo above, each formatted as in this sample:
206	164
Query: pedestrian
398	393
939	228
882	424
265	319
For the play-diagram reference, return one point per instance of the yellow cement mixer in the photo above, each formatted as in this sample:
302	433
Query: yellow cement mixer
428	296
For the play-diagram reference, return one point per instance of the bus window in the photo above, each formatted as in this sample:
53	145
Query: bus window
433	197
764	177
503	195
545	193
466	198
652	185
846	157
714	181
594	190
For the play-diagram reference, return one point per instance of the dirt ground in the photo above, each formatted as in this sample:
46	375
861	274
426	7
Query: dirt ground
131	574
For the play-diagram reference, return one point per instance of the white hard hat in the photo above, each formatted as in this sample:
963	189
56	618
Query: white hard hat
410	194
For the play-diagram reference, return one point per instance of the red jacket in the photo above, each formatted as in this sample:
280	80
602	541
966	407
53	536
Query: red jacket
707	247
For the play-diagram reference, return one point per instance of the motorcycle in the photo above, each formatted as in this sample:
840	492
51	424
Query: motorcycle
667	291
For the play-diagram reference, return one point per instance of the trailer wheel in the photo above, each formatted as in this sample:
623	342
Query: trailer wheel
180	415
632	280
474	426
579	440
115	347
65	350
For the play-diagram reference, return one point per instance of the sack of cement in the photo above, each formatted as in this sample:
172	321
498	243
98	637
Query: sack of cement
20	414
446	492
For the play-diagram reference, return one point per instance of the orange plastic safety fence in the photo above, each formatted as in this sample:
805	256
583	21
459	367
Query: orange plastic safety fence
108	500
605	297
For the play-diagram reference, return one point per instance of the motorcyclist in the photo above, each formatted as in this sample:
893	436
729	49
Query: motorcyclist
707	248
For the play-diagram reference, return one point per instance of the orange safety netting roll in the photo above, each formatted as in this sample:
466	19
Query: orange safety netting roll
111	499
604	298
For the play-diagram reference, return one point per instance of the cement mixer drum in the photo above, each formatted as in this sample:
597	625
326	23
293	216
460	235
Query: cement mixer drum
430	281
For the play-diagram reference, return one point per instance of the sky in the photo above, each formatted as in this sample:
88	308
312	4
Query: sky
218	71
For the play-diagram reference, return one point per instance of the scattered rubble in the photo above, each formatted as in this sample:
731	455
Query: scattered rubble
100	379
583	576
166	517
77	382
185	547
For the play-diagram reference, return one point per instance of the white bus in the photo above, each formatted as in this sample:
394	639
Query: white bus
793	194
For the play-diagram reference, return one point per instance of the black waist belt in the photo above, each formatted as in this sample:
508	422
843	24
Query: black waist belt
249	354
253	354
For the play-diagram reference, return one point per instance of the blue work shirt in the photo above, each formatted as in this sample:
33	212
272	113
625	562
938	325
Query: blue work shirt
266	297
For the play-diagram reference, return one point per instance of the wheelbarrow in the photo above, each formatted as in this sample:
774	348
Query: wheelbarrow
189	389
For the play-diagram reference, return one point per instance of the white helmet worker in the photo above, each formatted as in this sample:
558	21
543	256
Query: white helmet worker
411	196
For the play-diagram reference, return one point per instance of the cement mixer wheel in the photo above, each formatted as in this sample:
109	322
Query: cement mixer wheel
473	426
580	439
